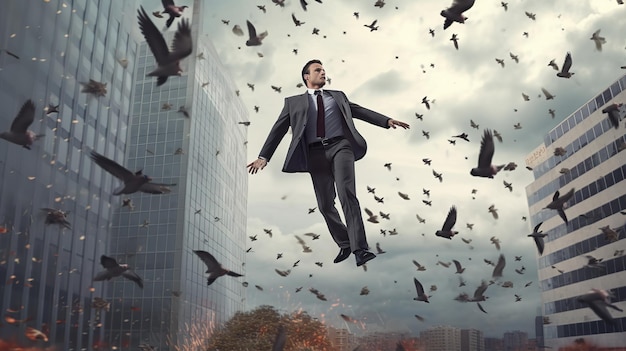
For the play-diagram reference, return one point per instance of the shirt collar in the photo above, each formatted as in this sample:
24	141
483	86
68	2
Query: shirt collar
312	91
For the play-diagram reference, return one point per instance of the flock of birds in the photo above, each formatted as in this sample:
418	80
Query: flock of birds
168	65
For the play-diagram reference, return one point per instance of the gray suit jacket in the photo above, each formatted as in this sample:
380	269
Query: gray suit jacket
294	114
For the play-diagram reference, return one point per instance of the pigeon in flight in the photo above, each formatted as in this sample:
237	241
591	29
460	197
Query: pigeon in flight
454	13
254	39
421	296
487	148
214	268
455	40
168	63
559	203
54	216
19	133
133	182
598	300
598	39
538	237
613	112
172	10
372	26
567	64
114	269
497	270
446	231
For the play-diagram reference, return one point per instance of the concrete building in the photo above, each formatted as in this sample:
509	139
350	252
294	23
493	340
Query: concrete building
441	338
515	341
47	271
472	340
202	150
493	344
594	165
341	339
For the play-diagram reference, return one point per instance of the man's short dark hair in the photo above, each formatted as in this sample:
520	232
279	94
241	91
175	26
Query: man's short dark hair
305	69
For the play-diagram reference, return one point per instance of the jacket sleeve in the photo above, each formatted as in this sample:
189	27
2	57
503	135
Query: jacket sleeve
367	115
276	134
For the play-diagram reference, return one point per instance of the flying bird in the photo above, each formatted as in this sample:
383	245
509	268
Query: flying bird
296	21
254	39
133	182
567	65
455	40
547	94
493	211
559	203
426	102
172	10
403	195
553	65
598	300
500	61
168	62
446	231
613	112
487	148
421	296
214	268
54	216
598	40
237	30
114	269
94	87
371	216
459	268
497	270
372	26
455	12
19	133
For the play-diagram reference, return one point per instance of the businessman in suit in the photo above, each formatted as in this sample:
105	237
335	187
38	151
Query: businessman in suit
325	143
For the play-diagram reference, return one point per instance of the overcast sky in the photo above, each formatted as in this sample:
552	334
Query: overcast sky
389	71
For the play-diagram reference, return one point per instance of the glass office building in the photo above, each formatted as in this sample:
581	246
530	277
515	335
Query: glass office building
47	271
594	164
204	154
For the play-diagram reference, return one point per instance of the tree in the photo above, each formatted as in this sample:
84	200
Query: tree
256	330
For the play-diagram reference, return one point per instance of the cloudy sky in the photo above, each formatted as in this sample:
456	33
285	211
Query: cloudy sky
390	70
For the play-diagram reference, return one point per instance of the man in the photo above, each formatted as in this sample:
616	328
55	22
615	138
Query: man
325	143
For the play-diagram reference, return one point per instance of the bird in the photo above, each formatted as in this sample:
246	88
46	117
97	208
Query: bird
431	32
438	176
19	133
372	26
598	40
427	203
463	136
497	270
610	234
500	61
487	148
547	94
427	161
553	65
296	21
479	293
446	230
455	40
493	211
514	57
420	219
94	87
613	113
421	296
459	269
133	182
128	203
567	65
551	112
508	185
379	250
481	307
253	38
379	3
384	215
598	300
262	8
372	218
419	266
183	110
473	124
168	63
276	89
388	166
237	30
530	15
379	199
114	269
426	102
525	97
52	109
280	3
454	13
426	134
370	189
172	10
54	216
214	268
496	242
403	195
559	203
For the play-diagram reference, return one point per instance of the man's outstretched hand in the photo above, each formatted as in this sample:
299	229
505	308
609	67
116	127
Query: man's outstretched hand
257	165
393	123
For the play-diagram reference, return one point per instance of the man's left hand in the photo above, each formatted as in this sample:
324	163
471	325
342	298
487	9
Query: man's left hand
393	123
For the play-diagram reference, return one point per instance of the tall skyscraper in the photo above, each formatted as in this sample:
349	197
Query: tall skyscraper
47	270
184	132
472	340
584	153
441	338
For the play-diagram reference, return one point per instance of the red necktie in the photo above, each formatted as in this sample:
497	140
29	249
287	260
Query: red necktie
321	128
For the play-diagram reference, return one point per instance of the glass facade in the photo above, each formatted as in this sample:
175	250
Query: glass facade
206	210
48	269
596	166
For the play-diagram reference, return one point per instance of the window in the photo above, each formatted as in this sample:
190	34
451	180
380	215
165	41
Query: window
585	111
599	101
607	95
592	106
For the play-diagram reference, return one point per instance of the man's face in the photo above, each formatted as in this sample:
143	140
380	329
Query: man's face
316	78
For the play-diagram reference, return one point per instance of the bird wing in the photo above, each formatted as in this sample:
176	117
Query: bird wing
418	287
478	293
293	17
567	64
450	220
540	244
209	261
556	196
233	274
460	6
300	241
497	271
597	305
281	336
104	275
303	3
567	196
487	149
155	188
458	265
167	3
481	307
24	118
368	211
536	229
108	262
111	166
373	23
562	214
130	275
251	30
182	45
153	37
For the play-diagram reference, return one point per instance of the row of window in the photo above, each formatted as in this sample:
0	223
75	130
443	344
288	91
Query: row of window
576	171
584	328
602	183
585	111
611	266
577	249
572	303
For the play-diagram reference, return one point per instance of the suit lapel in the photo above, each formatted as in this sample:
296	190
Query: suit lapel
339	101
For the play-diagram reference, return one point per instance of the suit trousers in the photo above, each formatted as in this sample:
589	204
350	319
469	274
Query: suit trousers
332	167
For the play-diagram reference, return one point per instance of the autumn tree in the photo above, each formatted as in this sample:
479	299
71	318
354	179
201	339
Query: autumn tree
256	330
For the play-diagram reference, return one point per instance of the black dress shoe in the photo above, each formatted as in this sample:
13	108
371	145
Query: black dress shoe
344	253
362	256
